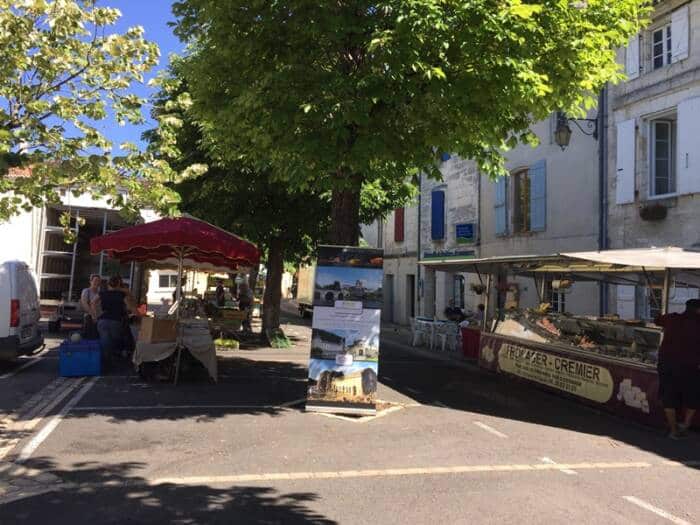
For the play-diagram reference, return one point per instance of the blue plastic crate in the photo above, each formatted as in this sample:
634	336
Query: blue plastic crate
80	359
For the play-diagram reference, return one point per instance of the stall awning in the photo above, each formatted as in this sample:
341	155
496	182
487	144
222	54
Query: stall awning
623	266
199	244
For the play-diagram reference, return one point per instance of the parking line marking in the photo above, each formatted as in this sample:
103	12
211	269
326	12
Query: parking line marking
31	362
116	408
31	413
37	440
492	430
412	390
550	461
387	378
656	510
391	472
440	404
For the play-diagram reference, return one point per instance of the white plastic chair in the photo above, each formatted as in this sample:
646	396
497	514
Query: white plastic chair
418	330
449	335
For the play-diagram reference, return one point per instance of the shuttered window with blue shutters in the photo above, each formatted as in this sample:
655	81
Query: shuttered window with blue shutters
437	216
538	196
500	206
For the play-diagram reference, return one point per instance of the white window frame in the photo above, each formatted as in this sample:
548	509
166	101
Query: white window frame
666	43
672	121
170	276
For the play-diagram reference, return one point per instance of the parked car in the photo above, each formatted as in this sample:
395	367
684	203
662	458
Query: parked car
20	333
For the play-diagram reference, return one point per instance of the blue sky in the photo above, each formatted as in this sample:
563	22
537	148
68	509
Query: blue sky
154	16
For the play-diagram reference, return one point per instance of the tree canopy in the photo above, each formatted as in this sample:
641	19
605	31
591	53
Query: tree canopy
63	74
346	93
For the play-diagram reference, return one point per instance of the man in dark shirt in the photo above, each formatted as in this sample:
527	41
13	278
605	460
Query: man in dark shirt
679	366
454	313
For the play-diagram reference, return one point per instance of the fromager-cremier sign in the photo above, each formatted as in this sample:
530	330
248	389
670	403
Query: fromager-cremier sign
583	379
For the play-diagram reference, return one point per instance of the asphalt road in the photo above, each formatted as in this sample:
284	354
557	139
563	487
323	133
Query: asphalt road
458	446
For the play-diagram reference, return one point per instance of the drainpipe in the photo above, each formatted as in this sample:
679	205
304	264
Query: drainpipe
603	187
418	274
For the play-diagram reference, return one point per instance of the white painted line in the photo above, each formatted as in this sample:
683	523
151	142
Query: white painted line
492	430
550	461
30	362
656	510
411	471
387	378
37	440
412	390
32	412
116	408
440	404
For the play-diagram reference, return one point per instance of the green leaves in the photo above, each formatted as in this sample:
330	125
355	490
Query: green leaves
62	71
371	88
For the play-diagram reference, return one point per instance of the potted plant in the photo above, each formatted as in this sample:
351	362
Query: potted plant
653	212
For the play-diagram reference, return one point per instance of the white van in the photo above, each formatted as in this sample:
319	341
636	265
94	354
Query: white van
19	311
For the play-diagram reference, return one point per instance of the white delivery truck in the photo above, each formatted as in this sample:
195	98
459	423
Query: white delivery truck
305	289
62	270
19	311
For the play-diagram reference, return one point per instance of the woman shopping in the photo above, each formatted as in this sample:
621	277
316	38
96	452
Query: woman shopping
112	306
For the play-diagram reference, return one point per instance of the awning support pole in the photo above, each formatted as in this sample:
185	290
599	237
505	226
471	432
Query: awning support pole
650	285
665	292
178	298
487	302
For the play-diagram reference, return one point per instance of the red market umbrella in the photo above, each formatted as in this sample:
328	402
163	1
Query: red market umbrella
184	242
178	241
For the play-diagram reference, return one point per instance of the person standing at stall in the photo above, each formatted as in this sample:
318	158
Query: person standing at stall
220	293
87	296
679	366
245	303
112	308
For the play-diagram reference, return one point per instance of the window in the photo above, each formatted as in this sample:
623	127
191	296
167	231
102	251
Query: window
168	280
661	47
437	215
399	215
521	201
662	157
557	300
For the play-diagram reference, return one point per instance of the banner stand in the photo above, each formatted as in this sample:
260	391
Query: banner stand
343	367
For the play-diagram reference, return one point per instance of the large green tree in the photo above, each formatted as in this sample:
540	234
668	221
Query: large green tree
286	225
337	94
284	221
64	75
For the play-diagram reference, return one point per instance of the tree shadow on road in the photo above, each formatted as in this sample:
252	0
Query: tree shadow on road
245	386
114	493
474	390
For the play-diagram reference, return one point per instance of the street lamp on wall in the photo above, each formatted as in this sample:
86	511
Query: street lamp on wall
562	134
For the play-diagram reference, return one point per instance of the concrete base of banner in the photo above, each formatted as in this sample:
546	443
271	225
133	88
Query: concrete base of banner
340	409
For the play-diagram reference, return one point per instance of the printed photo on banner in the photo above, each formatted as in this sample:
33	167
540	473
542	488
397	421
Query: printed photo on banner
342	383
350	256
348	284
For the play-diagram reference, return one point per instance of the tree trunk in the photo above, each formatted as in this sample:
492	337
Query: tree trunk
345	217
273	286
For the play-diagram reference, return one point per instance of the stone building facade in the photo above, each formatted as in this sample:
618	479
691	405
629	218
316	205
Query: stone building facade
654	146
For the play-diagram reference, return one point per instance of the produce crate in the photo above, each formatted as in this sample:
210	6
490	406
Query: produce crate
80	359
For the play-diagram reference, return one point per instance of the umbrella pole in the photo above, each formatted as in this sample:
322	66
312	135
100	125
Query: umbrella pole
178	298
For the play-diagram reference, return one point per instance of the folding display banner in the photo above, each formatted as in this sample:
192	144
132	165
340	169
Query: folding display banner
347	305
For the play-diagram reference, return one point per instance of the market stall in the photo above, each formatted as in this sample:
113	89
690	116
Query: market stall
184	243
601	360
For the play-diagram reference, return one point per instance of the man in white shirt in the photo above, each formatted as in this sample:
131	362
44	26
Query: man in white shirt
87	296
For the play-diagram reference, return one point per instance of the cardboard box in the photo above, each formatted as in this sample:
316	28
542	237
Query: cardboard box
157	330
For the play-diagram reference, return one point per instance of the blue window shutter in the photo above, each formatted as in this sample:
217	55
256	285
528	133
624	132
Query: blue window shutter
444	157
538	196
437	223
500	207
